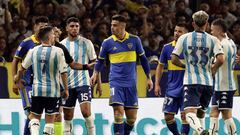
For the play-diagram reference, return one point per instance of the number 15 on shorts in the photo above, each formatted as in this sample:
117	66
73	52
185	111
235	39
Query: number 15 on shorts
112	91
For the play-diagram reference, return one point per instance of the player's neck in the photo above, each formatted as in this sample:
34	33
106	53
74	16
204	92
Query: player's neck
121	36
46	44
71	38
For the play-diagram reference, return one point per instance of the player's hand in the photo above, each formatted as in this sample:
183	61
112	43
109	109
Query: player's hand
157	90
237	59
99	90
150	84
93	79
91	65
15	88
65	94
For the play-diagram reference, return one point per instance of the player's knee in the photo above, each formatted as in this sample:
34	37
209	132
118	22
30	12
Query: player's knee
131	121
58	118
214	112
200	113
118	119
86	113
68	116
226	114
169	118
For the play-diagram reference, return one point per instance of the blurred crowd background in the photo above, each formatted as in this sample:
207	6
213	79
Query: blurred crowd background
152	20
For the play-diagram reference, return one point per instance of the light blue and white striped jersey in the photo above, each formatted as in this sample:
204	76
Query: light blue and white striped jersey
82	51
198	48
47	62
224	78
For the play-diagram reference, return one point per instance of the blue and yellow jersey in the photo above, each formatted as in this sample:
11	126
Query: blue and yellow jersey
175	73
123	57
22	51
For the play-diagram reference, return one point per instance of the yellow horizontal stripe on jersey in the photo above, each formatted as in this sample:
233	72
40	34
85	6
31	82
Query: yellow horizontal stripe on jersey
129	56
173	67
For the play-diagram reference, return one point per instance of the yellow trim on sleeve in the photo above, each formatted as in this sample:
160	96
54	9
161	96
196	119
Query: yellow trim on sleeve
129	56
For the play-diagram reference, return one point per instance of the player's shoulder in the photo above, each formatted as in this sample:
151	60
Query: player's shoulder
109	39
27	41
133	36
63	42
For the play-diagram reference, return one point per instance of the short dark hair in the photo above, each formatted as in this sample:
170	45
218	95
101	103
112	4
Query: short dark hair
184	25
43	33
41	19
72	19
119	18
220	22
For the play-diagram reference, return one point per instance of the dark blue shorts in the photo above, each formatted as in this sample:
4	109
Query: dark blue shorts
223	99
125	96
83	94
173	104
26	94
49	104
197	96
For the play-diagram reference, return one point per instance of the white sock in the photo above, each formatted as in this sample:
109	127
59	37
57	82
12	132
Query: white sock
48	129
67	127
34	126
90	125
213	128
194	122
231	127
202	121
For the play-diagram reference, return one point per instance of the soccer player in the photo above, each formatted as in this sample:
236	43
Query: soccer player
198	47
73	65
21	52
224	85
174	93
82	51
48	61
122	49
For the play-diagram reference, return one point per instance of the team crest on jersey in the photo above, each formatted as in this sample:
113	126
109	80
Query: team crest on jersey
130	45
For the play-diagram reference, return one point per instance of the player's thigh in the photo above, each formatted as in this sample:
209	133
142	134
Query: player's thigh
171	105
207	92
26	94
118	110
84	94
71	101
192	94
131	97
37	106
131	115
117	96
85	109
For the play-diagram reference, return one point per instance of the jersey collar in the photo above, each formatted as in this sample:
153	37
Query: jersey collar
33	37
173	43
125	37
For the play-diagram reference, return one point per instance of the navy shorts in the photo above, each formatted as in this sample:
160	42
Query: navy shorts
50	104
83	94
125	96
173	104
26	94
197	96
223	99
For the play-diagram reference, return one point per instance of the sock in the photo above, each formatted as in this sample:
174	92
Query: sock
213	127
231	127
194	122
90	125
172	126
118	129
26	127
58	128
67	127
127	128
34	126
185	129
48	129
202	121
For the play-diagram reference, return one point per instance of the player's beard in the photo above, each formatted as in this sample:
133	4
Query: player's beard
73	35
